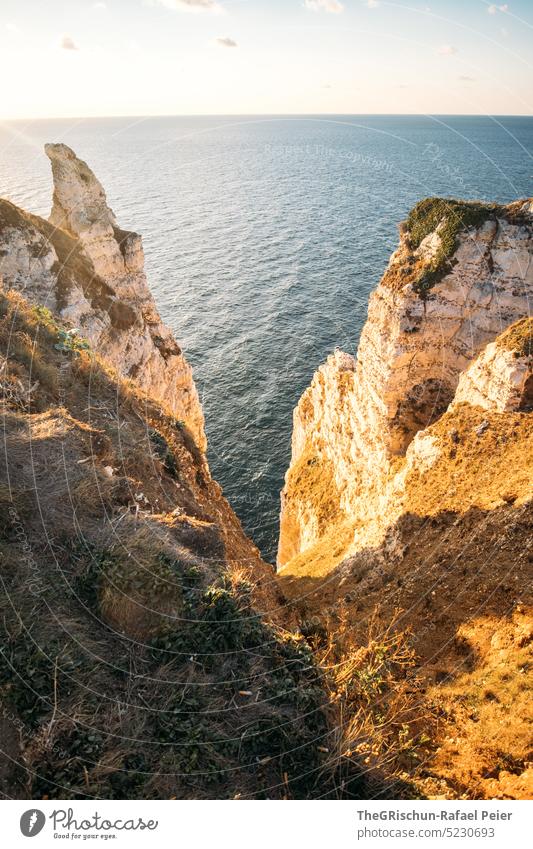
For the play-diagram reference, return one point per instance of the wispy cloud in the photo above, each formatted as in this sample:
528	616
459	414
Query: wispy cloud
332	6
372	4
226	42
68	43
466	79
446	50
493	9
99	5
191	5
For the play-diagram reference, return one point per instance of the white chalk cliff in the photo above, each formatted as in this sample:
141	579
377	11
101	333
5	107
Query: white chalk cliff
461	275
501	377
91	273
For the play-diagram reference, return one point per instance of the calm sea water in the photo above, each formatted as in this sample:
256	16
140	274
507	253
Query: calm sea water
263	238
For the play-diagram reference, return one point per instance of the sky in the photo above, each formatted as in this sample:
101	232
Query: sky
82	58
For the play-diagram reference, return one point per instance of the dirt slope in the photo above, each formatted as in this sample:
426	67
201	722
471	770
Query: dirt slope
133	660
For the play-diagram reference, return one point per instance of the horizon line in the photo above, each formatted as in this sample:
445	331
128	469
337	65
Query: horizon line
271	115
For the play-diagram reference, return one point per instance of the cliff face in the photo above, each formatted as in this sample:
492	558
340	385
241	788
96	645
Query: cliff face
461	275
88	271
406	518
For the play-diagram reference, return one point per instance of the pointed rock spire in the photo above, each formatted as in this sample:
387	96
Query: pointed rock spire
80	206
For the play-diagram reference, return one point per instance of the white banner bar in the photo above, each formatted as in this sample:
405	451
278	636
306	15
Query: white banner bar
268	825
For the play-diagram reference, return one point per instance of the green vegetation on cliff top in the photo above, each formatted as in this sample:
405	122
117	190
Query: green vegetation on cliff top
451	216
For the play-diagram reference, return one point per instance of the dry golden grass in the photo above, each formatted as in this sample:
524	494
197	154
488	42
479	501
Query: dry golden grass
320	559
375	707
119	572
312	493
312	481
483	470
486	741
518	338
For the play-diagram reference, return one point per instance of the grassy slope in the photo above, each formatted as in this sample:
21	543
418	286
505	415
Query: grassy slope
454	575
134	662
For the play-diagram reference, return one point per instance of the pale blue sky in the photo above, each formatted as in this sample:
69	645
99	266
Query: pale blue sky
153	57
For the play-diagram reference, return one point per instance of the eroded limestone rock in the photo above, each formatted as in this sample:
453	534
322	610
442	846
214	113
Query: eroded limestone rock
84	267
358	418
501	378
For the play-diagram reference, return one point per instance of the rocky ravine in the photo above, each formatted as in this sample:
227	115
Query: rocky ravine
145	650
90	272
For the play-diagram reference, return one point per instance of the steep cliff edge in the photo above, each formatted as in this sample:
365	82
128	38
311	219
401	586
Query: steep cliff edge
139	651
407	508
86	269
461	275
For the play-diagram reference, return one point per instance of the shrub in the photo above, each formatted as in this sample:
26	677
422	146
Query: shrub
163	452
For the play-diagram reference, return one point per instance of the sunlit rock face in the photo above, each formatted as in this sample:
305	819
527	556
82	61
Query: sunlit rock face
80	207
84	267
500	378
429	319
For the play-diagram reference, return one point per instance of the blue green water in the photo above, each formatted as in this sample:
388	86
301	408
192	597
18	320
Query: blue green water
263	238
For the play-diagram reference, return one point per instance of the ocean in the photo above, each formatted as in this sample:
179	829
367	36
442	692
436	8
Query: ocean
263	239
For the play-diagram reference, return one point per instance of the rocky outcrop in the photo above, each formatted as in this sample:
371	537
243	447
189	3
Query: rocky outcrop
501	377
461	275
90	272
407	508
80	207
